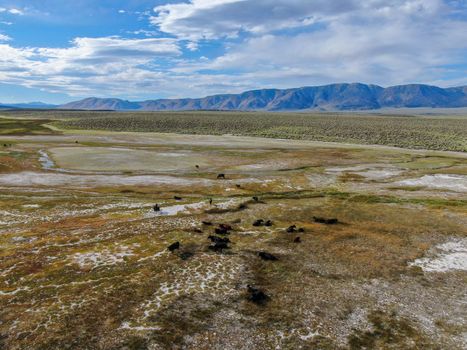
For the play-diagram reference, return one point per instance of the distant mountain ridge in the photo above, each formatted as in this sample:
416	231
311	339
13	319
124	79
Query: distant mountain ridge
355	96
29	105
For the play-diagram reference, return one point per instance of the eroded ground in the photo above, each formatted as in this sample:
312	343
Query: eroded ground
84	261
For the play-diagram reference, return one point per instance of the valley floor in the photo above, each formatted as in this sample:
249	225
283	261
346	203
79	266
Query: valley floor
84	261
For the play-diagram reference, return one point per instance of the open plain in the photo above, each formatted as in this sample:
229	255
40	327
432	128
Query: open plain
84	262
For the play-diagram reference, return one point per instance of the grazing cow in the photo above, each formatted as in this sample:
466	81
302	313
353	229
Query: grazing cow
325	221
221	176
257	296
242	207
177	198
186	255
226	227
291	229
197	166
216	239
219	246
221	231
268	223
256	199
210	201
238	185
258	222
174	246
207	223
156	207
301	229
267	256
297	240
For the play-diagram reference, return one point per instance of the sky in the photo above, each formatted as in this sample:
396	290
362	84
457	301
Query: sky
58	51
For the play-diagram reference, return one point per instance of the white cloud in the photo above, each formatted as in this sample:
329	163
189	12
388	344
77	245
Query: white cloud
278	43
4	37
16	12
88	65
13	11
385	42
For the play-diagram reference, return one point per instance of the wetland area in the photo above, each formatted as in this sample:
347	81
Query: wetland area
84	262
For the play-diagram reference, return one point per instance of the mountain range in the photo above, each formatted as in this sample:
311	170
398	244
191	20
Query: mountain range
344	97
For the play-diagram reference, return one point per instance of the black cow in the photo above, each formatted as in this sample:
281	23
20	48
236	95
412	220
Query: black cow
267	256
174	246
219	246
297	240
221	231
258	222
177	198
221	176
257	296
156	207
301	229
268	223
225	227
256	199
207	223
216	239
325	221
291	229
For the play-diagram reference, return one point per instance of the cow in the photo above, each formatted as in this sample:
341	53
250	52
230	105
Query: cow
325	221
257	296
221	176
221	231
177	198
207	223
219	246
291	229
258	222
301	229
174	246
242	206
156	207
297	240
267	256
268	223
226	227
216	239
256	199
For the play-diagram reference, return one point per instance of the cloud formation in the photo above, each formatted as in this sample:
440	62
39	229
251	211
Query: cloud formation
258	43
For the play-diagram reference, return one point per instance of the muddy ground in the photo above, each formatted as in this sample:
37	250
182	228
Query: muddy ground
84	261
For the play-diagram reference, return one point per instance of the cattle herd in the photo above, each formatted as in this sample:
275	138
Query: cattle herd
220	242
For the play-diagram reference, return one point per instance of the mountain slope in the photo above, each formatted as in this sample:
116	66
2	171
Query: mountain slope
354	96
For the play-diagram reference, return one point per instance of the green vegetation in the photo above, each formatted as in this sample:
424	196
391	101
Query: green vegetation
23	127
400	131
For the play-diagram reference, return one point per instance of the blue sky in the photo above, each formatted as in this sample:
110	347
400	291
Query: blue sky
57	51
